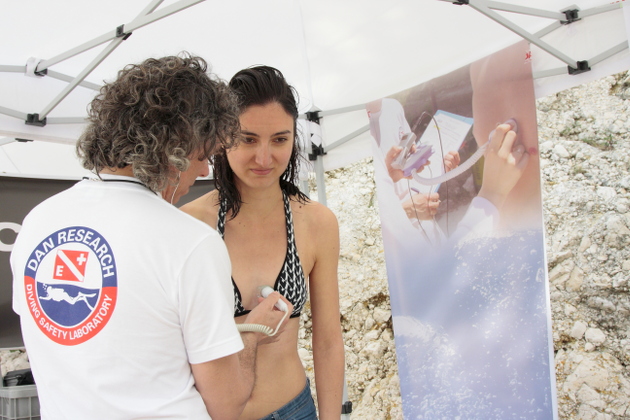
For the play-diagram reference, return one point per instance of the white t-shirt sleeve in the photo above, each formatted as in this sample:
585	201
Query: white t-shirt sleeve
206	303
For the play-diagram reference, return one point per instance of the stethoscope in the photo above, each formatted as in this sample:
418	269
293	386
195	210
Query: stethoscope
138	182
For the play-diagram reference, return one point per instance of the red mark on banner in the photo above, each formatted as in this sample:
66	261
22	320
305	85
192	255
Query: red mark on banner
528	56
70	265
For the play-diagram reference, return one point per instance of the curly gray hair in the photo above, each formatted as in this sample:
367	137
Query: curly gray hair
155	115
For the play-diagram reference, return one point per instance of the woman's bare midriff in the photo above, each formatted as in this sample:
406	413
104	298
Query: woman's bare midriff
280	375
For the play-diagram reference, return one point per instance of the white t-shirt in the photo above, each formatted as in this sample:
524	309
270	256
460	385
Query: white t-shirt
388	126
118	292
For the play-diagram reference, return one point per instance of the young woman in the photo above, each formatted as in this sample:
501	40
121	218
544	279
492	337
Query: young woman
277	237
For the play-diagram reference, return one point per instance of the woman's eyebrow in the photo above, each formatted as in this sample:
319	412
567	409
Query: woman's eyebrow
279	133
248	133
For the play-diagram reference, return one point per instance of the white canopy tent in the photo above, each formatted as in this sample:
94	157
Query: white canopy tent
338	54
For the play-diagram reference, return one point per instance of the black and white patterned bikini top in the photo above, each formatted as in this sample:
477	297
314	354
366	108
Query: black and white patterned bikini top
290	281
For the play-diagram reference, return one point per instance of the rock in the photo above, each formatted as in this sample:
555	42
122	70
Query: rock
587	372
607	193
381	316
545	147
304	354
578	330
576	279
560	151
588	395
13	360
595	336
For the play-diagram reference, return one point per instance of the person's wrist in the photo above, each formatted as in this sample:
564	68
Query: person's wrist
496	198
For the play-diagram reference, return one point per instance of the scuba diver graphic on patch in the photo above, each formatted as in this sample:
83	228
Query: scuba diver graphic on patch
71	287
58	294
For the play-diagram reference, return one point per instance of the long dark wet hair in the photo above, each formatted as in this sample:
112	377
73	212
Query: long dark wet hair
259	85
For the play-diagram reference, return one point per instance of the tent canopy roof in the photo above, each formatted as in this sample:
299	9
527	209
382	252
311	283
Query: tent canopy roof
336	53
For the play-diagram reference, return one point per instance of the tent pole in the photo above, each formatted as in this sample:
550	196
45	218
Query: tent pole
352	108
121	34
524	10
13	113
346	407
608	53
141	20
549	29
359	107
600	9
66	78
559	16
488	7
59	120
319	177
70	87
549	73
346	138
50	73
44	64
598	58
317	155
483	9
12	69
304	187
66	120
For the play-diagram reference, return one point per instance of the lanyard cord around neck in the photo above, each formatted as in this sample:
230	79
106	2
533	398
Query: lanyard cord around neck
130	181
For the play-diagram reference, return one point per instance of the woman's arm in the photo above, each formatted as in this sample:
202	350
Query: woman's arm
328	351
204	208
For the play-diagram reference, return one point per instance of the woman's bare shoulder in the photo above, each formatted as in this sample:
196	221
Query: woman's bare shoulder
314	214
204	208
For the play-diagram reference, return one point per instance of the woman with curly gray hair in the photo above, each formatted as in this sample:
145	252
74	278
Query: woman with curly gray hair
154	118
125	301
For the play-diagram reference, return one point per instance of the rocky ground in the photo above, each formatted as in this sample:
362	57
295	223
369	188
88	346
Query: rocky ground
585	162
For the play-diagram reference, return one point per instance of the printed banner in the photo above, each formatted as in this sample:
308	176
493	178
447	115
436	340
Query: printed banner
461	216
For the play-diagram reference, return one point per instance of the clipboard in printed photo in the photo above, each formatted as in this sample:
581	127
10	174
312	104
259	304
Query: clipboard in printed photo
433	137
